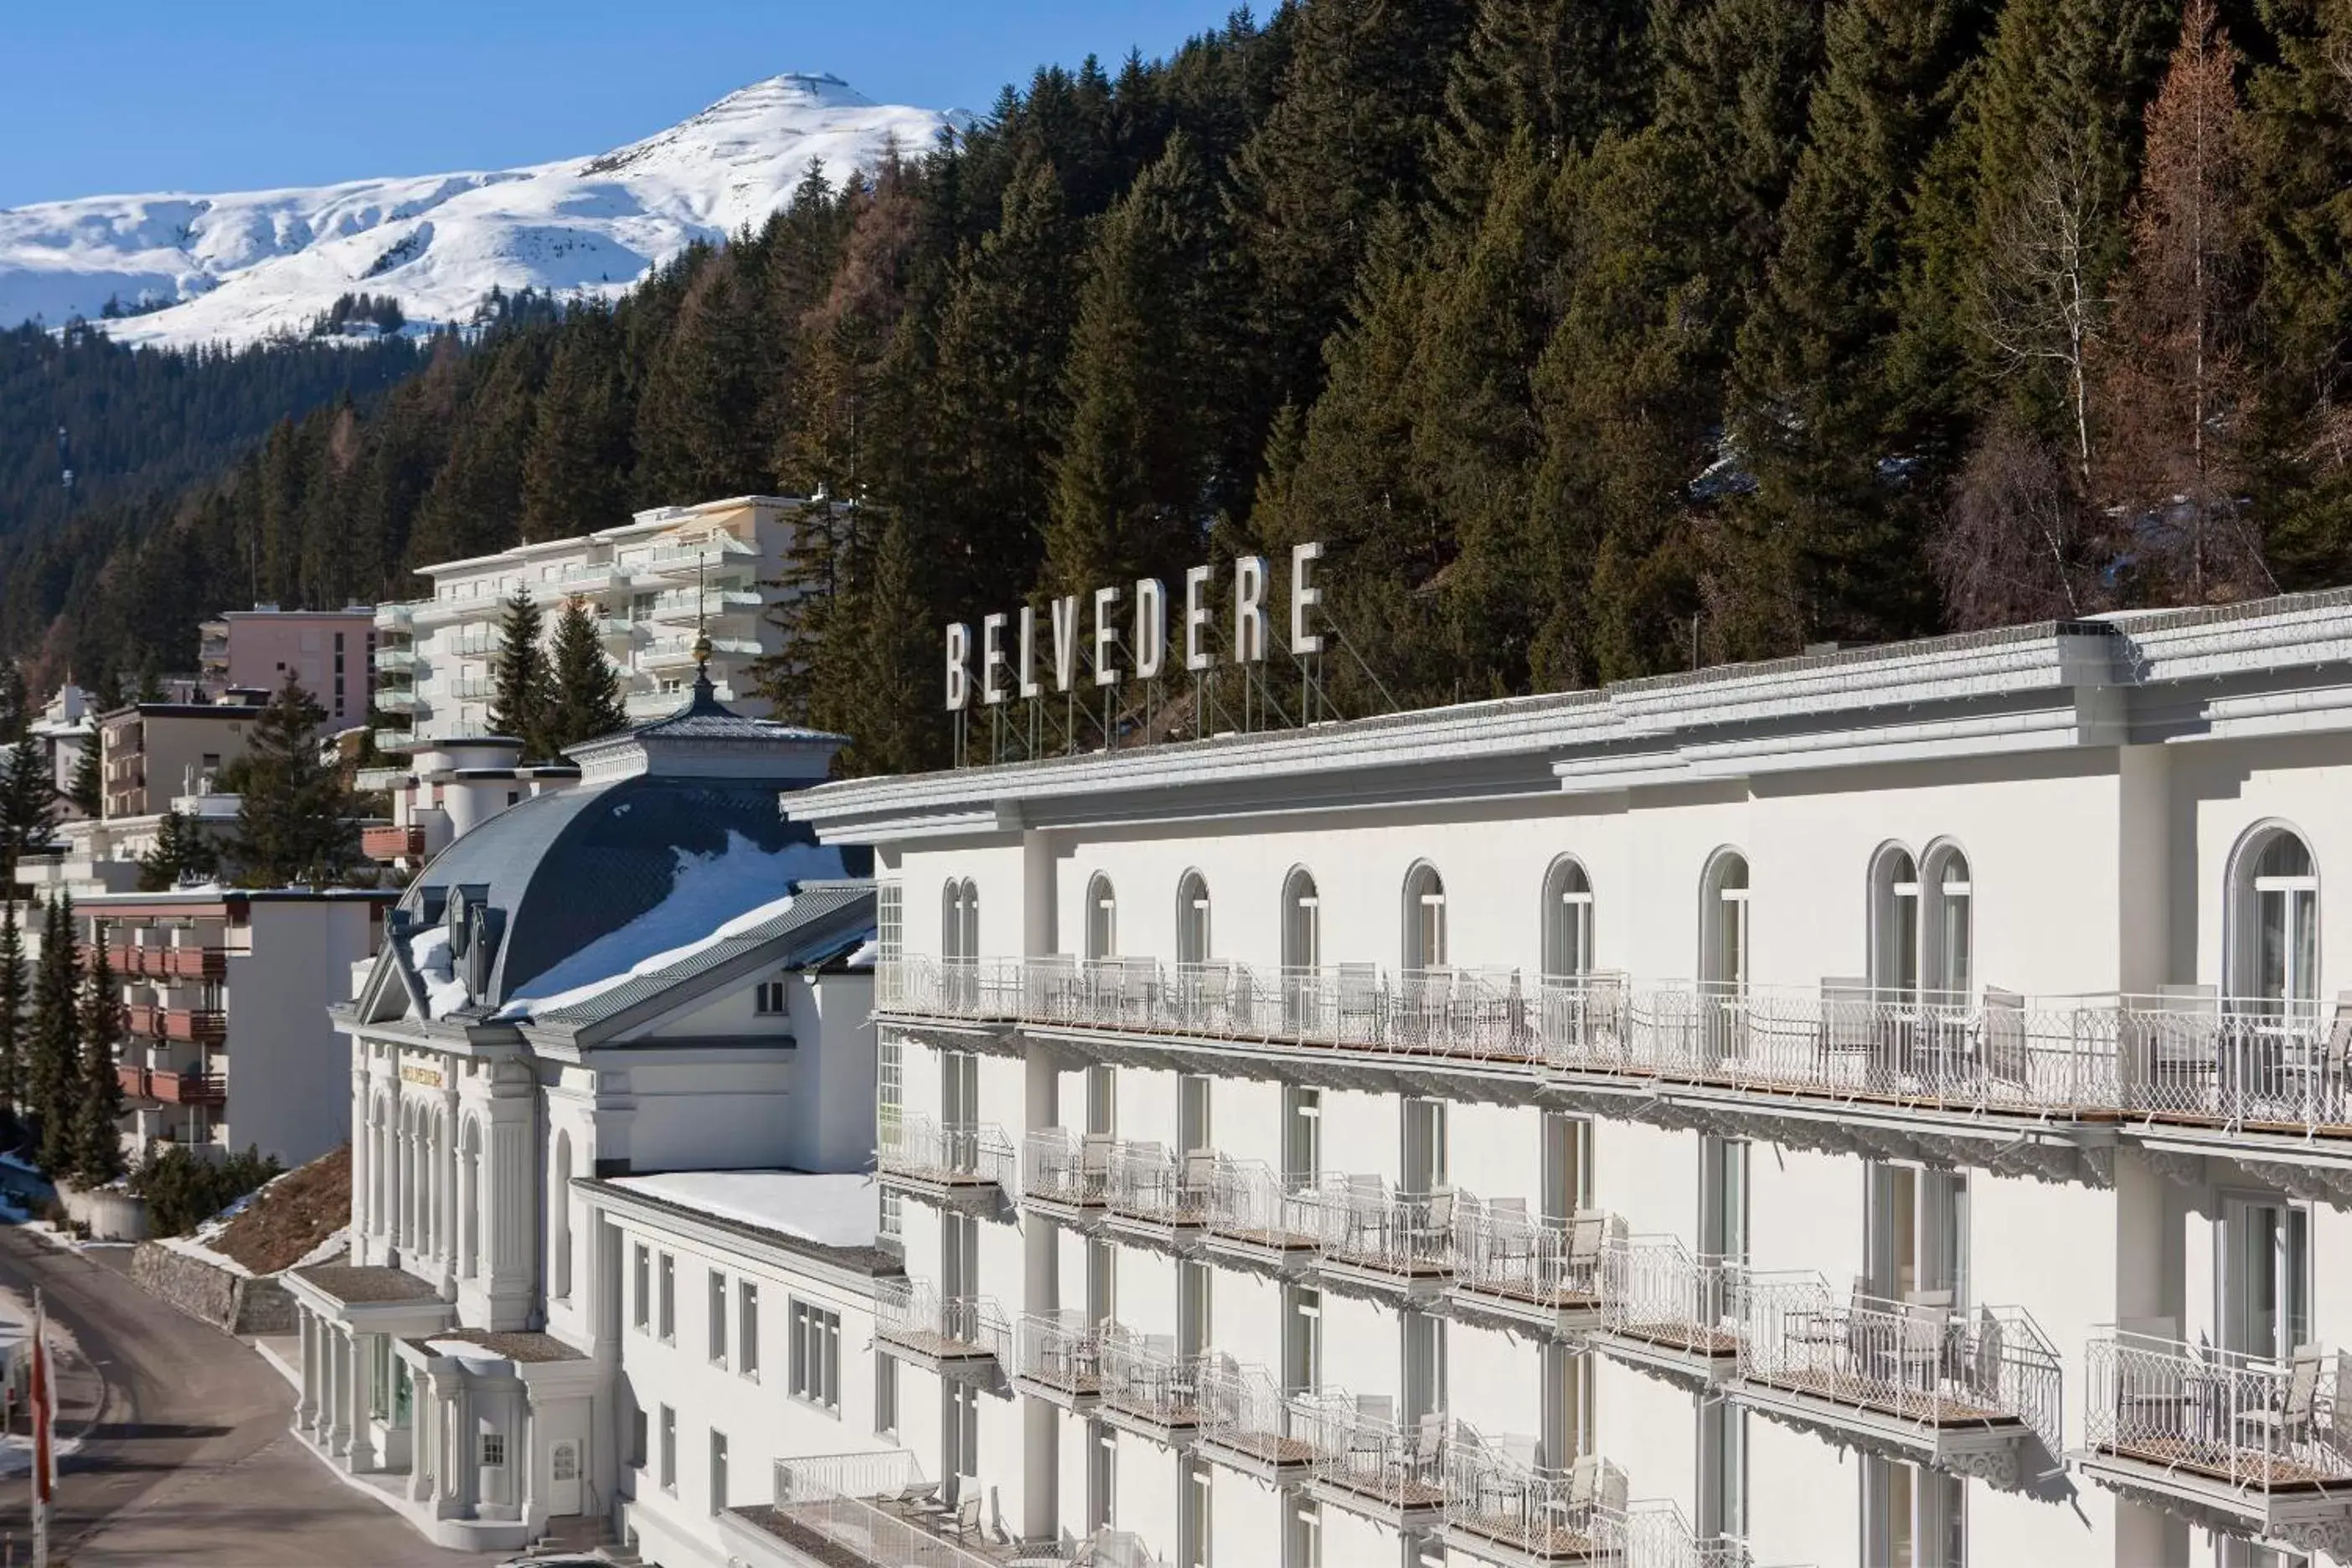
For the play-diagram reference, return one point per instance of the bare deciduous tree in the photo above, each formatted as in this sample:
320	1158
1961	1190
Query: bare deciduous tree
2015	543
2039	303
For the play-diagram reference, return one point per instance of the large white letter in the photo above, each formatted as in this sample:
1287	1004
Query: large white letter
1196	618
1065	642
1151	627
1304	599
1249	609
1105	636
959	666
1025	678
992	658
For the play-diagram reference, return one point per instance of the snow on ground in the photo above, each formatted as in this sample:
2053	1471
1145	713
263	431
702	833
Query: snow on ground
238	267
830	1210
713	898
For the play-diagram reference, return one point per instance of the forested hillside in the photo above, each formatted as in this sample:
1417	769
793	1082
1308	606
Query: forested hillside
1582	331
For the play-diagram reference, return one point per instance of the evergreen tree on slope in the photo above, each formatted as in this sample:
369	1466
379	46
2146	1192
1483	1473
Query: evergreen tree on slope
585	700
296	824
15	996
521	693
51	1060
98	1106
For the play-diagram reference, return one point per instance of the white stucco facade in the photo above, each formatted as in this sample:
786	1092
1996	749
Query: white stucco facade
1887	1107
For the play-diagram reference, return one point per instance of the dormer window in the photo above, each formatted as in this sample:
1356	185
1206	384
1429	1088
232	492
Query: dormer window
768	1000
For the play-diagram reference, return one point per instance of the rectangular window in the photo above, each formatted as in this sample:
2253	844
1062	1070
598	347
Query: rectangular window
1195	1532
1723	1469
891	1223
769	1001
642	1268
668	1326
718	1472
669	1449
814	1376
1302	1532
636	1439
746	1328
886	1396
494	1449
718	1318
1102	1475
1723	1197
889	922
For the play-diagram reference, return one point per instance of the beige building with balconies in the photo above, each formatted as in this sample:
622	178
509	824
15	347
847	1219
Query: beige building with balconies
152	751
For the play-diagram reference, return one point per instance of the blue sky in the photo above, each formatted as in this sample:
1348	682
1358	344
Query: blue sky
149	96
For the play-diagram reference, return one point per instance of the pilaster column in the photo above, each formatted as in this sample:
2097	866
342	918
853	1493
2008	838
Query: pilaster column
337	1434
445	1160
450	1465
306	1408
363	1400
424	1435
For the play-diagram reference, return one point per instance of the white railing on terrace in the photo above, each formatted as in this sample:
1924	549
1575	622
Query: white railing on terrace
919	1148
912	1312
1143	1376
1249	1202
2248	1423
1364	1223
1500	1250
1059	1349
877	1511
1144	1182
1919	1361
1654	1288
1495	1490
1062	1167
2191	1056
1244	1408
1363	1450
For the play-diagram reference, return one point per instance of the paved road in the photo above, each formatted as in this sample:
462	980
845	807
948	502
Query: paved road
186	1456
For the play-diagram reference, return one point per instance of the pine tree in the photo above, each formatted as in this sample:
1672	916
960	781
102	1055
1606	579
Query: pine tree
87	789
27	806
297	821
51	1063
1562	71
586	691
698	434
575	474
15	995
15	704
182	851
97	1106
521	697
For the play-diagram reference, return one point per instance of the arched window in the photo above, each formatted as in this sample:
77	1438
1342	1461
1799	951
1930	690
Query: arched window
1722	924
1425	918
1948	929
559	1217
1567	922
959	919
1102	919
1894	923
1193	948
1302	921
2273	910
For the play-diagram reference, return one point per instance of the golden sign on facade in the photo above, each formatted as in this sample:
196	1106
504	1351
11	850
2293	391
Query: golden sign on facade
429	1077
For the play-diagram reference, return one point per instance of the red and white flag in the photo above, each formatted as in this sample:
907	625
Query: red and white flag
45	1454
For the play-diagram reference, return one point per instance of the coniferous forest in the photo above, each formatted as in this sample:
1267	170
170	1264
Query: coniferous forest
1593	337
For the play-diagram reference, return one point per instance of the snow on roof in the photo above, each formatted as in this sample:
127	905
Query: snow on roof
714	897
829	1210
437	966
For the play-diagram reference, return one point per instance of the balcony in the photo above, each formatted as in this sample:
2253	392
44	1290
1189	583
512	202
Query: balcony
1058	1357
1154	1198
1249	1425
945	1164
2255	1446
877	1511
162	961
392	843
1370	1462
714	604
193	1024
1511	1266
1502	1507
1260	1220
1147	1388
398	615
392	699
169	1088
717	554
1379	1240
963	1337
395	660
1968	1391
677	653
1065	1176
1666	1308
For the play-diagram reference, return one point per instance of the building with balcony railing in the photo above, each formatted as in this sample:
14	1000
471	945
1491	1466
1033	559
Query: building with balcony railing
654	583
1885	1105
331	653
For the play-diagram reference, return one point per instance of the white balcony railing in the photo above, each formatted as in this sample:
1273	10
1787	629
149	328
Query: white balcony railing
1497	1492
1656	1290
1148	1186
2245	1424
1501	1250
919	1149
1367	1456
1252	1206
1368	1227
1918	1361
1145	1379
1244	1412
1065	1169
878	1511
1058	1352
2192	1057
912	1314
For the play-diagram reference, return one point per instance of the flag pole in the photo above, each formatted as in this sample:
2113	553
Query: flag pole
44	1438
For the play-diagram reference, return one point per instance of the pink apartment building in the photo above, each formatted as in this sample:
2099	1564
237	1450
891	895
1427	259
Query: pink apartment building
330	652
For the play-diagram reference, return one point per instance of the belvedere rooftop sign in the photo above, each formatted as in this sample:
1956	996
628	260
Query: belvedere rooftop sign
1006	672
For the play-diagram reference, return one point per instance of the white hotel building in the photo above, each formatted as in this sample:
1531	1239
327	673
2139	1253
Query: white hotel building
651	581
1889	1105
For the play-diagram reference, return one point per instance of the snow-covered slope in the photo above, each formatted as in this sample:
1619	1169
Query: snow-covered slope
237	268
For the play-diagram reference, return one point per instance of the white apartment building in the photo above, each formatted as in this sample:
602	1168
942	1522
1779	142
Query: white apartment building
652	581
1885	1107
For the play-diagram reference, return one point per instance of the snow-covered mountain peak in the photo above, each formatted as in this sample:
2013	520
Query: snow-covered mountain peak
238	267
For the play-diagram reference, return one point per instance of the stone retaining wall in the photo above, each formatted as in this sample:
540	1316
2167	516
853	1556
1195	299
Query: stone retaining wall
232	1302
